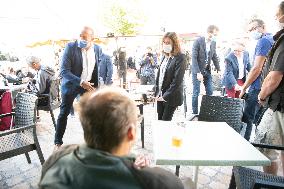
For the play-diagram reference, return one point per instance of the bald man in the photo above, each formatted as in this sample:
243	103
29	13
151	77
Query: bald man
79	72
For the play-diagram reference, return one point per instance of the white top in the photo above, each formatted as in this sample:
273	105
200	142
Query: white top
162	73
241	67
89	61
203	144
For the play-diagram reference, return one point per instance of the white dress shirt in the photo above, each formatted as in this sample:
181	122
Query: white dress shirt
89	61
241	67
162	74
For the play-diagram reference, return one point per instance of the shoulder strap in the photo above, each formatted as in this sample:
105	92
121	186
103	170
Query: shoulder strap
267	65
63	151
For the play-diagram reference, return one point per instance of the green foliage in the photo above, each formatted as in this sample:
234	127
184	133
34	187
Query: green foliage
123	21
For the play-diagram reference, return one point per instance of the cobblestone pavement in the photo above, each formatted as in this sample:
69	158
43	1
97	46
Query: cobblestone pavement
17	173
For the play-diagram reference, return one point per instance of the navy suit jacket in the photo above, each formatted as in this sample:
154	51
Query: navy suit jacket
106	69
172	87
199	56
231	72
72	66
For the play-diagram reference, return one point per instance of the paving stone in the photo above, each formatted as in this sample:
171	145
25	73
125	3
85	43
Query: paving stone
222	178
218	185
16	180
203	179
208	171
21	186
226	170
33	173
13	172
3	185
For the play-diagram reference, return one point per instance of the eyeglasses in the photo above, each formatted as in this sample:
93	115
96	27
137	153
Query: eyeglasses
239	51
253	28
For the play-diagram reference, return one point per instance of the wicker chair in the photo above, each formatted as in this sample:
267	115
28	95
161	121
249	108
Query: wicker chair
52	99
22	138
220	109
246	178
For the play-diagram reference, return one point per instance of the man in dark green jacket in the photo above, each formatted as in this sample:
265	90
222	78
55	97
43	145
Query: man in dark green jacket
109	120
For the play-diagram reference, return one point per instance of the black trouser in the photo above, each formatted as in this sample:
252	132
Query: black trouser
165	111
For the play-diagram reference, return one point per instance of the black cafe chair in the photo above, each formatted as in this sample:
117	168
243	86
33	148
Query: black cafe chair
246	178
52	100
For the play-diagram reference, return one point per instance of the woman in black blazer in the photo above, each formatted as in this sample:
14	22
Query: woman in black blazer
169	81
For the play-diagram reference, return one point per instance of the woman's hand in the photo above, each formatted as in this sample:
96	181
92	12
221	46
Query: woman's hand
160	99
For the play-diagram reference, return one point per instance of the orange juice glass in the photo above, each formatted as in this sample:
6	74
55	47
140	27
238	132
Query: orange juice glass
176	141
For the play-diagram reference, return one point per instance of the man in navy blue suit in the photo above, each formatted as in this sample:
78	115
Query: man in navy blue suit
106	70
79	72
203	52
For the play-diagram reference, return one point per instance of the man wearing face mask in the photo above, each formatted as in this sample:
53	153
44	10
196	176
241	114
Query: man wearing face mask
253	82
236	66
271	127
203	51
79	72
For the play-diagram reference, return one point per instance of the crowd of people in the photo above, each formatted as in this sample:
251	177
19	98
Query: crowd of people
109	117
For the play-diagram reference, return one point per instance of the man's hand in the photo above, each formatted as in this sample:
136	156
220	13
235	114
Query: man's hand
160	99
243	91
199	76
261	101
25	79
142	161
87	86
238	88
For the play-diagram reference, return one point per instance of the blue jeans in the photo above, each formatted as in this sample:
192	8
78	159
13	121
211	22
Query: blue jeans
251	108
65	107
207	81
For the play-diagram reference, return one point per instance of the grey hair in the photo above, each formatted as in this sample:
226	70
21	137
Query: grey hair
33	59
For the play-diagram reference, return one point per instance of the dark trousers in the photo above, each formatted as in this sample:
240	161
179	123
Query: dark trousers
165	111
251	108
66	105
207	81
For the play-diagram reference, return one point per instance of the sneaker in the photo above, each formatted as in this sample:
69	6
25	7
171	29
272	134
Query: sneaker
56	147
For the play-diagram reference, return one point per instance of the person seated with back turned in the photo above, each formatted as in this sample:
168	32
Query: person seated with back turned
40	83
109	119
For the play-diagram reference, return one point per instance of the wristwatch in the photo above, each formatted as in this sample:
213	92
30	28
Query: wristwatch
260	99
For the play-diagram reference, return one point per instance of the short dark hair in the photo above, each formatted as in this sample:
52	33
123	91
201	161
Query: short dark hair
176	45
211	28
106	116
258	21
281	7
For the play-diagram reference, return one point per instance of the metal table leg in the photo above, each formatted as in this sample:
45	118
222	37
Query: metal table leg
141	110
195	176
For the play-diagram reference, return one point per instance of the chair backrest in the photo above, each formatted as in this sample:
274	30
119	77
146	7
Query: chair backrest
54	93
25	109
222	109
6	106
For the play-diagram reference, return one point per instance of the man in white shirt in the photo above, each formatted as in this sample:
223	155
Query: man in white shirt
79	72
